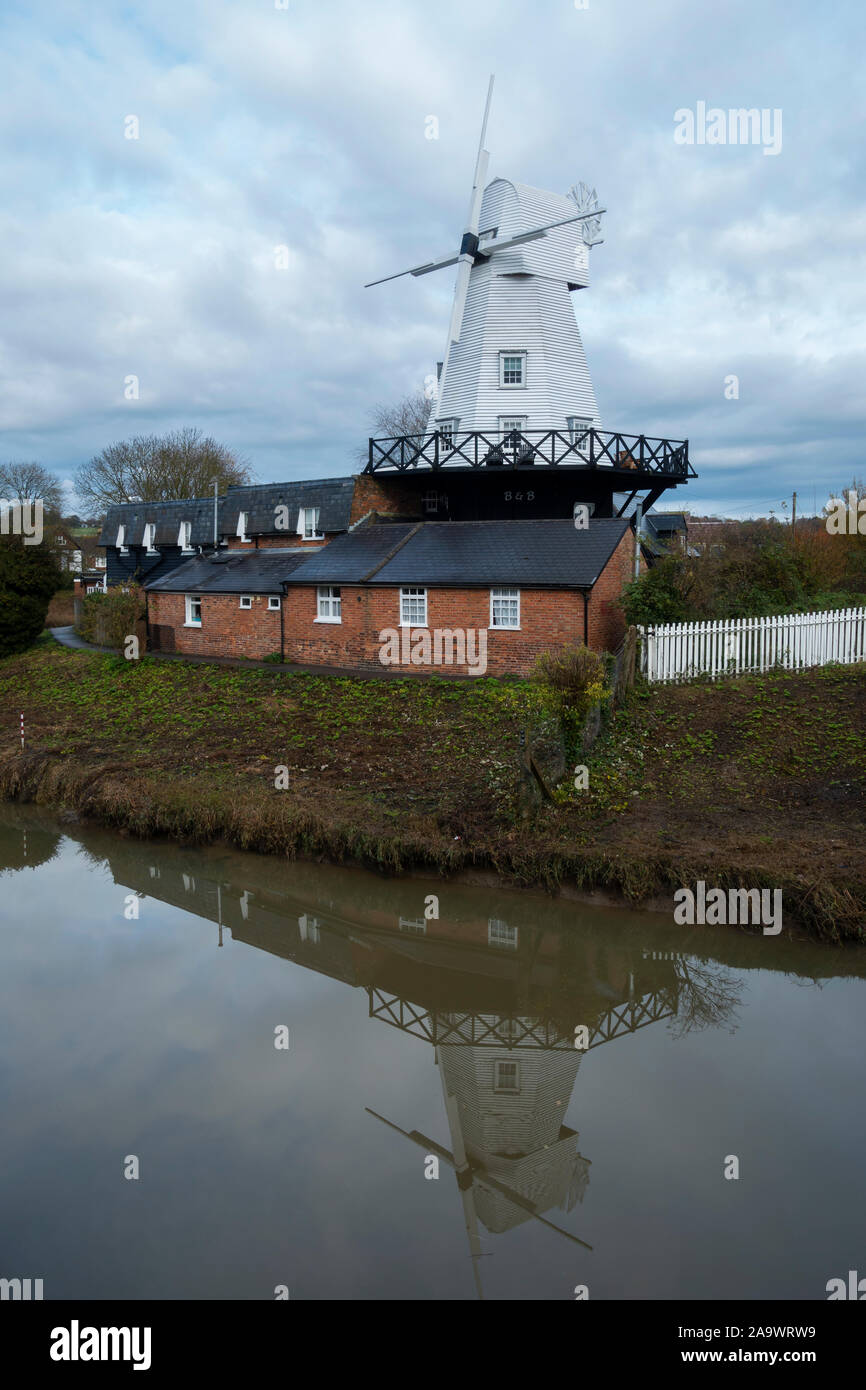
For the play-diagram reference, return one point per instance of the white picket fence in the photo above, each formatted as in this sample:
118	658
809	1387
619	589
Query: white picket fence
736	646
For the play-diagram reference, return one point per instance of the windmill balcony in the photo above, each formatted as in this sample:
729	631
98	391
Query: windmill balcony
629	454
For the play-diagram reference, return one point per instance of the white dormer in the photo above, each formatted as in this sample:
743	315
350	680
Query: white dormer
121	540
150	538
242	527
308	524
184	535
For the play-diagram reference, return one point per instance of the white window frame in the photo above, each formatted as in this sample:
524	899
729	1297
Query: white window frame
100	562
447	429
121	540
309	929
243	518
190	599
504	356
329	604
309	530
507	423
502	934
504	594
578	425
150	538
184	536
412	593
513	1066
274	604
430	501
417	926
246	601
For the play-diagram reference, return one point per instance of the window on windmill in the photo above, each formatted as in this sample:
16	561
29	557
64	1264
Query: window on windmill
512	369
499	933
415	925
329	604
447	430
579	427
413	607
193	610
309	929
308	524
505	608
184	535
243	518
509	423
150	538
506	1077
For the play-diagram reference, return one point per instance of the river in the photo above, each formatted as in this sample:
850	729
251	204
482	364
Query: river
226	1076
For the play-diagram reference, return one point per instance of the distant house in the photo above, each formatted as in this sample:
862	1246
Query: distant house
664	533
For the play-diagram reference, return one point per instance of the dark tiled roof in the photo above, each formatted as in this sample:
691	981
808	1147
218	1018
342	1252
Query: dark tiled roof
134	516
349	559
665	523
544	553
258	572
333	497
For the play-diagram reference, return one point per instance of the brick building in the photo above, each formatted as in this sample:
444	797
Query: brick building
409	595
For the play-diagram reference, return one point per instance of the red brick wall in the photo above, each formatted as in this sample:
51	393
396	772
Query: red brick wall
606	620
548	619
226	628
377	493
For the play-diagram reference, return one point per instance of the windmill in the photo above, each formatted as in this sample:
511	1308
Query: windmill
514	358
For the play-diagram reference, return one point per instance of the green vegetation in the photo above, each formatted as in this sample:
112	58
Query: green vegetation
750	570
108	619
28	578
755	783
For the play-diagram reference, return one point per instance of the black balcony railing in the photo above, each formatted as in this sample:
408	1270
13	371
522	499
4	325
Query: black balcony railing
591	448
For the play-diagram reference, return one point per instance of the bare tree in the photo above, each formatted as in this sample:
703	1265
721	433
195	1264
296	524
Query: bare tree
29	481
158	468
408	416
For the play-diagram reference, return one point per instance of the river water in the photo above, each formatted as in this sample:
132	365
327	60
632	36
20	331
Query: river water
223	1075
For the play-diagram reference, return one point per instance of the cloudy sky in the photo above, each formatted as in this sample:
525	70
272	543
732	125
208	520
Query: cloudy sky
305	126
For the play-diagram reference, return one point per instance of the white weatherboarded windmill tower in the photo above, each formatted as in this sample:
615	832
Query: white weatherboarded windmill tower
514	358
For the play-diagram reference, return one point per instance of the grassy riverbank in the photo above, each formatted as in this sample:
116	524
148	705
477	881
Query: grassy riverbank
756	782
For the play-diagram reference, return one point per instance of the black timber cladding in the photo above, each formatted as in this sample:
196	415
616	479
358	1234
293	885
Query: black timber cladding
256	572
554	554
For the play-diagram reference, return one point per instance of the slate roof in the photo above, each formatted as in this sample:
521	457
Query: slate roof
253	572
333	497
167	516
665	523
553	554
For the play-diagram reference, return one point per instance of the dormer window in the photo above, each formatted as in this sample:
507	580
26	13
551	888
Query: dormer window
150	538
308	524
184	535
243	517
121	540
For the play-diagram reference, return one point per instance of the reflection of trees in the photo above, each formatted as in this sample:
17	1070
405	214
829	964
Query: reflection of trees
708	994
26	849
